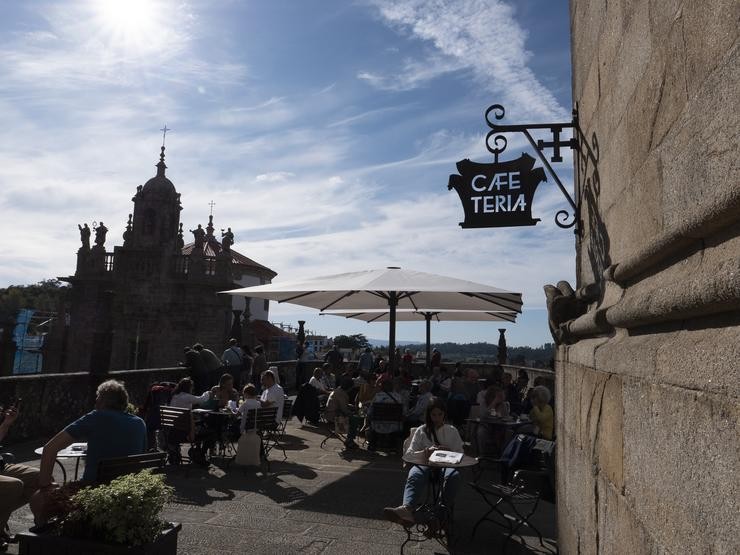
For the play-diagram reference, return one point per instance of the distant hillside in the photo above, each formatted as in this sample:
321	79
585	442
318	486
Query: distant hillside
384	343
488	352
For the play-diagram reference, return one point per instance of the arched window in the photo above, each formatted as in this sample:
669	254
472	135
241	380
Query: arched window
150	221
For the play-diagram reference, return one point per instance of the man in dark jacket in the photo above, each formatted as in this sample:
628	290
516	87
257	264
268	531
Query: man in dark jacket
334	357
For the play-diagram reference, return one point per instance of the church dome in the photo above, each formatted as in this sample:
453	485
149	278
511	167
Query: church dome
159	184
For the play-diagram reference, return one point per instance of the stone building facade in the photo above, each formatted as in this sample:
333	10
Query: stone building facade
138	306
648	378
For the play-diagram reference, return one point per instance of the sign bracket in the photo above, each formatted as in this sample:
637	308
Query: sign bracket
496	143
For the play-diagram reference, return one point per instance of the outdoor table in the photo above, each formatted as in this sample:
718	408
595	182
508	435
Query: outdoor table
75	451
218	421
434	519
505	423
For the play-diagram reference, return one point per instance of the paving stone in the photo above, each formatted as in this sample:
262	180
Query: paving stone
316	502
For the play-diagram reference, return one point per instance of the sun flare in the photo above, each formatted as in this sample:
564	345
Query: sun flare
130	25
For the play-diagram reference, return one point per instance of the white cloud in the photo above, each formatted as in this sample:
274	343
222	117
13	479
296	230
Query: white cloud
480	35
273	177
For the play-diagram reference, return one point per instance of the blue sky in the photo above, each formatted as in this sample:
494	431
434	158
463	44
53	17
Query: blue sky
324	131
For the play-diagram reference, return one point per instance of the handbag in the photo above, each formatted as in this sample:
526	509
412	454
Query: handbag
248	449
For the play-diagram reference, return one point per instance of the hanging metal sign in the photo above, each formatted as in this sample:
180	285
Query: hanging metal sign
499	194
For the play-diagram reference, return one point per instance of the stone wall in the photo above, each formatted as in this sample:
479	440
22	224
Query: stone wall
51	401
648	386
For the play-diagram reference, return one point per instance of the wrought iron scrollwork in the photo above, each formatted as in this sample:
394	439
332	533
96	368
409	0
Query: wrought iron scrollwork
563	218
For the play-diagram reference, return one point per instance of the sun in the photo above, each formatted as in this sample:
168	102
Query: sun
134	26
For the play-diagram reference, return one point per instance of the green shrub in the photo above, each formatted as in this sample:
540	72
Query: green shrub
125	512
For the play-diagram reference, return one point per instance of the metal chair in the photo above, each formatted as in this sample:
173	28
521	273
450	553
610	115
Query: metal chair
263	421
287	415
387	413
512	503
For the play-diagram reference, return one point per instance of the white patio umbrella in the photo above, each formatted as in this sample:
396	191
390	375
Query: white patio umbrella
403	315
390	288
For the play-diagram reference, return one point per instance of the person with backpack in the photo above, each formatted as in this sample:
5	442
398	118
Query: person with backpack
233	359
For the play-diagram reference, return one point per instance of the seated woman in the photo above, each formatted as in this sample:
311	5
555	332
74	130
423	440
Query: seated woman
433	435
541	414
319	386
491	438
224	391
339	405
183	396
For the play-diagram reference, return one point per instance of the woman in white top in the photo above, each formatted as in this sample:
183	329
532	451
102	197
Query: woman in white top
433	435
183	396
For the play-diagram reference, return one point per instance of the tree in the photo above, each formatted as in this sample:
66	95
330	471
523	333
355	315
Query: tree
44	295
357	341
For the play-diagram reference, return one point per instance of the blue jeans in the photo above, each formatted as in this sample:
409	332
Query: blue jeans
417	481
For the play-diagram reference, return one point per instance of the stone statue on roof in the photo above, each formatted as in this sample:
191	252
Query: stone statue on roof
199	235
84	236
100	232
227	239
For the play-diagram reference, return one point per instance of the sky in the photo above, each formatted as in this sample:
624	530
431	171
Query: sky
324	131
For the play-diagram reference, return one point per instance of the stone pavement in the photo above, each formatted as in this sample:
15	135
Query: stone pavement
326	501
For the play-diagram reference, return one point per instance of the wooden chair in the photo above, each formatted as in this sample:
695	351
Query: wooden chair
178	427
108	469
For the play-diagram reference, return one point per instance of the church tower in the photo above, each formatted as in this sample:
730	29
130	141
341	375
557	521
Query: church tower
138	306
156	216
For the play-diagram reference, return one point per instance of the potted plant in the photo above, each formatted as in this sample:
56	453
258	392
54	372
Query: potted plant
119	517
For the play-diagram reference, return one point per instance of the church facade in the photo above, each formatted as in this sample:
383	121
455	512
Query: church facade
139	305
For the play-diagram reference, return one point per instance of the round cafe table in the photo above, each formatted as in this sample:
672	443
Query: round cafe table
434	519
75	451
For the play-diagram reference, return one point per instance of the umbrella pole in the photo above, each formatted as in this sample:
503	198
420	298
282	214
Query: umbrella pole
392	303
428	318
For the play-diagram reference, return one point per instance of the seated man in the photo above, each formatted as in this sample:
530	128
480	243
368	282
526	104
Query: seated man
17	481
109	431
386	395
272	394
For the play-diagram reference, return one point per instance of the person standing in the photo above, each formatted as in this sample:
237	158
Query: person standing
245	376
233	359
365	364
259	364
436	358
407	361
18	482
197	367
211	362
334	357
